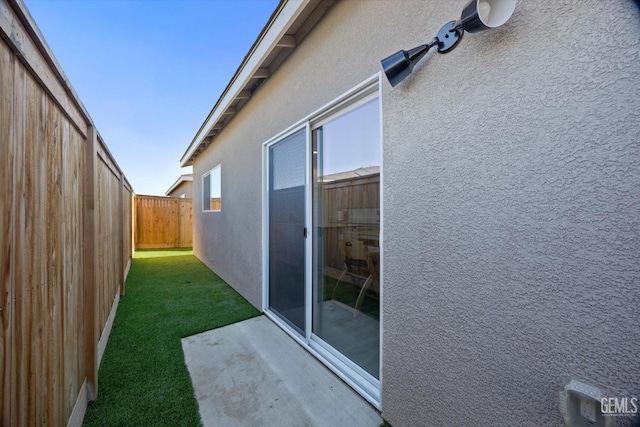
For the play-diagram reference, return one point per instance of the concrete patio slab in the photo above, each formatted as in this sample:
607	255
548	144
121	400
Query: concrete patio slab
252	373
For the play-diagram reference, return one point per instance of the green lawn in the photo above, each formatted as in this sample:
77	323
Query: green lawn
143	380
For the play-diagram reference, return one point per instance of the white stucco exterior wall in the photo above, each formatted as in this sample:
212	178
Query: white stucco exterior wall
511	201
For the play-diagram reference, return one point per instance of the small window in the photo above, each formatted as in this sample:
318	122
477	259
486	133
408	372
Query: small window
211	190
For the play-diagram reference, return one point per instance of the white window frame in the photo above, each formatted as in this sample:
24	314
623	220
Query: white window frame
209	174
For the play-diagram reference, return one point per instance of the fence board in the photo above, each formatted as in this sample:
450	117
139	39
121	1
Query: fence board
54	265
34	208
354	193
185	223
20	341
127	202
108	237
7	194
163	222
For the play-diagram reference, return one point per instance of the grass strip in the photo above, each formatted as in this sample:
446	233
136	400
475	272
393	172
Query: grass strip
143	380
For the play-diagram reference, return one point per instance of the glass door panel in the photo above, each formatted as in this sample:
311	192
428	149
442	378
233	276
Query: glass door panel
346	224
286	210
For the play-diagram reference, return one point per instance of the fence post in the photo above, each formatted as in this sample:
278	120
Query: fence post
134	223
89	273
120	259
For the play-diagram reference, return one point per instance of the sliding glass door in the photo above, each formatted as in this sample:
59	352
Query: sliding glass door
322	237
346	227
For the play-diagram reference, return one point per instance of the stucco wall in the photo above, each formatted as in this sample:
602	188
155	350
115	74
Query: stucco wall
511	197
185	187
318	71
512	225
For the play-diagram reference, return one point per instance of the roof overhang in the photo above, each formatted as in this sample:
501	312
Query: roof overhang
289	24
183	178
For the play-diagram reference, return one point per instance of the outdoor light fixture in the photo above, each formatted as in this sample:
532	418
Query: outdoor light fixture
477	15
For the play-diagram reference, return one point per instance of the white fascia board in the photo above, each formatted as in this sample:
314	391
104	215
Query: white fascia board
183	178
278	28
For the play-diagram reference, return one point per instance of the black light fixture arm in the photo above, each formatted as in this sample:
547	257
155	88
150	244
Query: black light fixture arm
447	39
433	43
400	64
449	36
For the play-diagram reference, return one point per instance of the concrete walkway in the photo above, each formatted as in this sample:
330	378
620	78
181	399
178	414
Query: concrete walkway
252	373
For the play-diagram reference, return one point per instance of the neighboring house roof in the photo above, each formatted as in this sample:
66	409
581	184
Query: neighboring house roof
288	25
183	178
357	173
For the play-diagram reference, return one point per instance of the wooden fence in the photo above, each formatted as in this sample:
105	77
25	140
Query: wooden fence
357	199
65	235
163	222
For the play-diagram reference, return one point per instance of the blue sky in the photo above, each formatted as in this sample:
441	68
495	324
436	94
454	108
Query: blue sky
149	71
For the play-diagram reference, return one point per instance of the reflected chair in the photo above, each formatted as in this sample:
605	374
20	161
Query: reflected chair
360	263
373	262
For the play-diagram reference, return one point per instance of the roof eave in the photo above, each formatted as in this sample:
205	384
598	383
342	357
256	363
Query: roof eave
254	70
183	178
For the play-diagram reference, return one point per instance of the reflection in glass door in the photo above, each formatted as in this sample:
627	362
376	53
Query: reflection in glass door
346	224
286	210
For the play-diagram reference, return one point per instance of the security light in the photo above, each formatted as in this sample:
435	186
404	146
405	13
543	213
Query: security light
477	15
